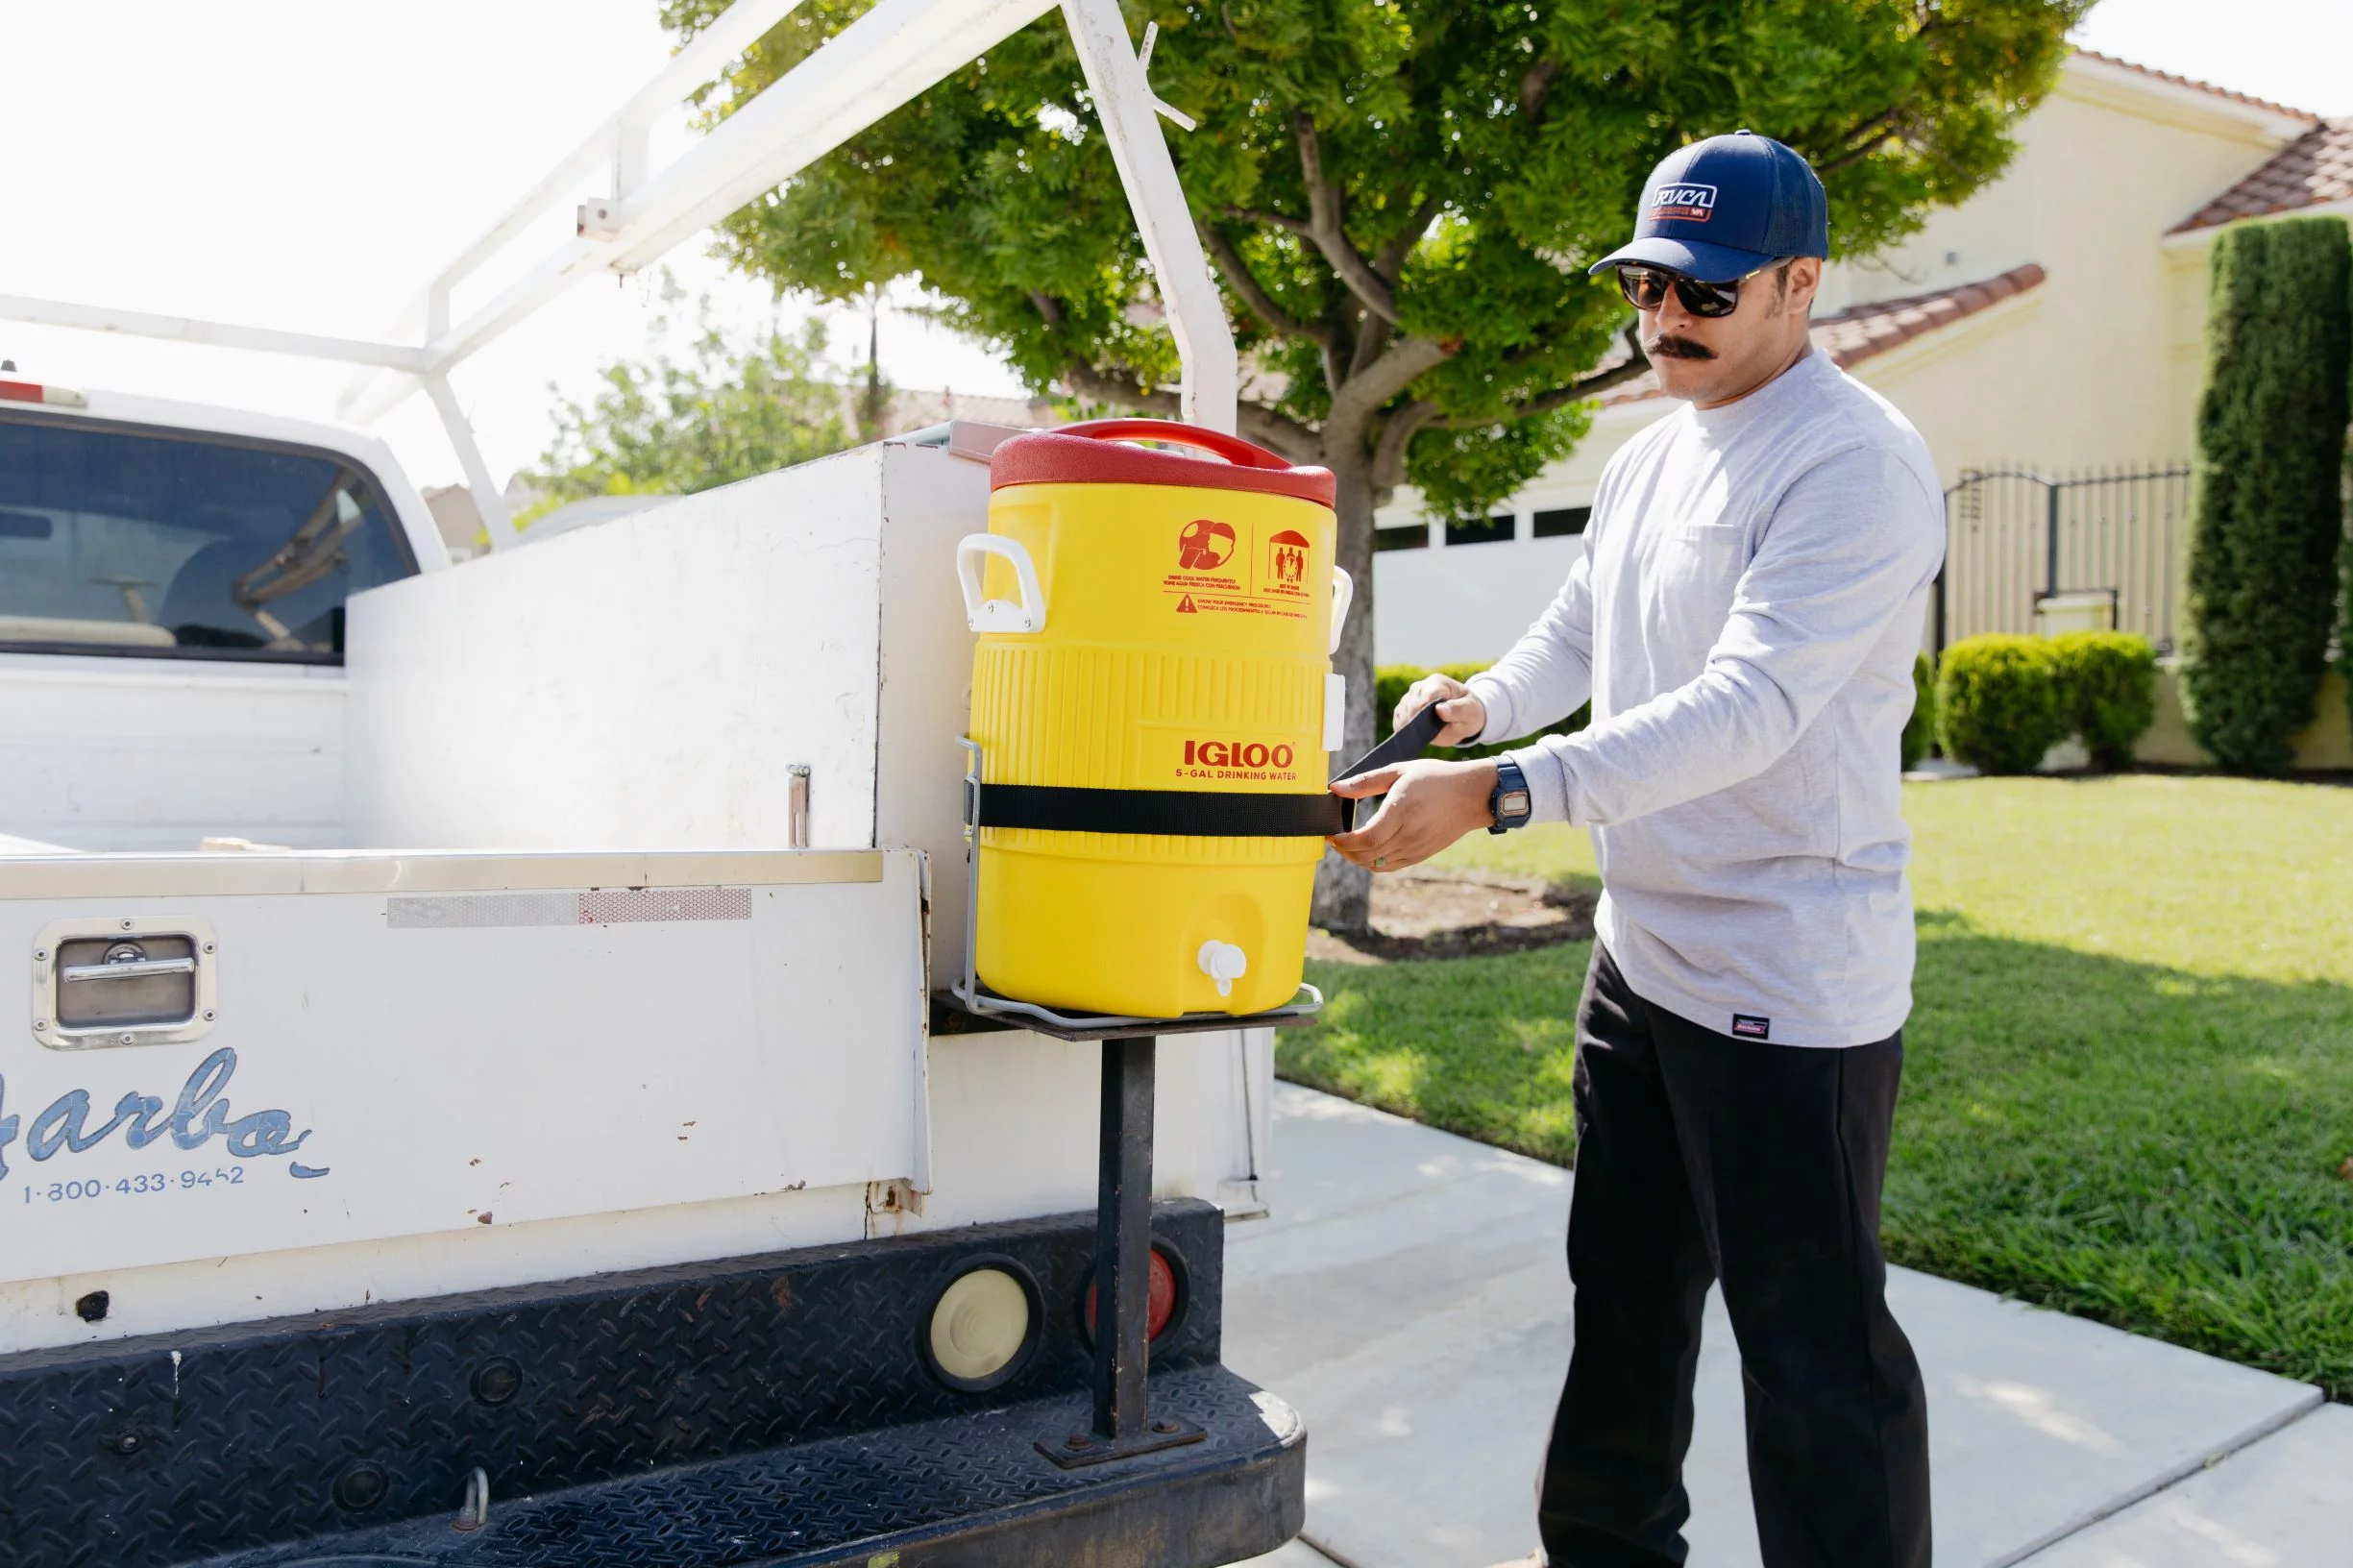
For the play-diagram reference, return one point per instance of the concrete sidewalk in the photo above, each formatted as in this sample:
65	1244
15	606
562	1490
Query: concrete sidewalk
1409	1296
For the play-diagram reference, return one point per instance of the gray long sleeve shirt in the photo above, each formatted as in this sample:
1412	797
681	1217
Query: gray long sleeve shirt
1744	619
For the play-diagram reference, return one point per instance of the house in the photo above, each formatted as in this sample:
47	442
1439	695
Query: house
2050	326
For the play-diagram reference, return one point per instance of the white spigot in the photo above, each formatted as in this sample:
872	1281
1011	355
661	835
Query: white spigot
1223	963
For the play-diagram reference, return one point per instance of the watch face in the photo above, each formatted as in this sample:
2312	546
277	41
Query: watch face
1512	803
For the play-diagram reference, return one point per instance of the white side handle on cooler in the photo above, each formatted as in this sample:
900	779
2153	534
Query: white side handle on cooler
1335	685
998	614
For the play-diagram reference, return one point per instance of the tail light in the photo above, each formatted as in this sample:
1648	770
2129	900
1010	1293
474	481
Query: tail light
1164	1298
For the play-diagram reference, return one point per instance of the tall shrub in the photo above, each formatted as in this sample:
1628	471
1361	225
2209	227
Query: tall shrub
2266	539
1998	706
2107	690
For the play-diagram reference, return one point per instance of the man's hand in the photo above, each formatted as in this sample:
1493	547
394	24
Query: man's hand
1465	716
1430	805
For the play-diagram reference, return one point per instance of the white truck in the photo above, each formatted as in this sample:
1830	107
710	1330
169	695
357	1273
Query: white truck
479	1092
596	1142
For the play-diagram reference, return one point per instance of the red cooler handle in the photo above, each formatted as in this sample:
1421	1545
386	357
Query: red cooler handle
1232	448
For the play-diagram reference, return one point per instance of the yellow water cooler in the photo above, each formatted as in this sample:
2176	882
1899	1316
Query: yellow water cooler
1153	703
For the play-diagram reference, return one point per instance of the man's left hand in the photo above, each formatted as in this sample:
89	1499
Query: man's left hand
1430	805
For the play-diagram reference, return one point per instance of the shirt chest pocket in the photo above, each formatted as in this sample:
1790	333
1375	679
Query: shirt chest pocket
1698	564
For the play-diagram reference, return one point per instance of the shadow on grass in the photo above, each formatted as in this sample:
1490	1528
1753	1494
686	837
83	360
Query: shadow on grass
2157	1150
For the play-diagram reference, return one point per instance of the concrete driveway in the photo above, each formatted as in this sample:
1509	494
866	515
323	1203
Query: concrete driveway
1409	1296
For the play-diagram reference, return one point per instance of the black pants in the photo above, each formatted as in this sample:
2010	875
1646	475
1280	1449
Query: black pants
1700	1157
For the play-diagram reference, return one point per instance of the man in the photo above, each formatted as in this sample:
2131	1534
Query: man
1743	621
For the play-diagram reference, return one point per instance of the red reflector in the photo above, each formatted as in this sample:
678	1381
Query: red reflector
20	391
1159	1301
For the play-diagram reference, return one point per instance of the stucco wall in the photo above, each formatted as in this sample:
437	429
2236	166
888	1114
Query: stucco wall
2326	742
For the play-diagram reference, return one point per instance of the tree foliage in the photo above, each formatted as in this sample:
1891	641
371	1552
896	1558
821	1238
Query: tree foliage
727	413
1405	188
2270	518
1399	198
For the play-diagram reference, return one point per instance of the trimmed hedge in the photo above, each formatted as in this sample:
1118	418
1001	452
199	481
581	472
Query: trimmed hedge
1920	730
1998	702
2001	702
2265	538
2107	690
1392	682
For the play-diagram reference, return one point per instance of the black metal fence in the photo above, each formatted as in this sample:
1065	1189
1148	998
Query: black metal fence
2015	536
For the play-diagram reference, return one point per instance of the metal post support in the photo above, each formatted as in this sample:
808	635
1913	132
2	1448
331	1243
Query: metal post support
1130	118
1124	1238
1123	1425
498	521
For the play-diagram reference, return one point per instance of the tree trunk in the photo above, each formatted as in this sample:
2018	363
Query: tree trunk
1344	893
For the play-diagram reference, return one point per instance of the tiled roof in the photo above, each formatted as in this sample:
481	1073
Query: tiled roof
2193	84
2315	167
912	409
1856	334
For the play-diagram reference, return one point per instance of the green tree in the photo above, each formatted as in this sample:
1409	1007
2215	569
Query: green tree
2270	517
1399	198
727	413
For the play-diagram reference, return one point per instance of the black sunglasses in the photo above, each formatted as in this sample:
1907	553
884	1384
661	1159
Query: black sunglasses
1645	288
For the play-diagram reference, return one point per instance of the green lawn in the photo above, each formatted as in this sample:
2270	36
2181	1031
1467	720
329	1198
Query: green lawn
2129	1083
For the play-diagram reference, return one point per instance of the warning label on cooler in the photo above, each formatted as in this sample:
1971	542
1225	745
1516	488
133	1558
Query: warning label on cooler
1287	565
1228	569
1205	545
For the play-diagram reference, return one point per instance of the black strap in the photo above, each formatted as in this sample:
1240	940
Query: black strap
1171	813
1203	813
1405	746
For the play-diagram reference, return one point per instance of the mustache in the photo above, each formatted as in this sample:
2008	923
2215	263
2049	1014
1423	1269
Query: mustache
1668	346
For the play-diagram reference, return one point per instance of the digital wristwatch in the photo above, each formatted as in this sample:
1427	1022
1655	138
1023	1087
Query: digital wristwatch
1511	805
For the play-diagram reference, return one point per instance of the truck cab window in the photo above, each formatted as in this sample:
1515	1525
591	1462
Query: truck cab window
163	544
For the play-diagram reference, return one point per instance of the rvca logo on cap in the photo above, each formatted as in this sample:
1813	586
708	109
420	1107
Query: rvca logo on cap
1686	204
1748	1026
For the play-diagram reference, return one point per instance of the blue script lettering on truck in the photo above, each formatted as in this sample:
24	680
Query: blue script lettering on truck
200	1114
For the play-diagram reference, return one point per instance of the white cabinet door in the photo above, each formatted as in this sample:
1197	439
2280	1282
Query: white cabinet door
415	1044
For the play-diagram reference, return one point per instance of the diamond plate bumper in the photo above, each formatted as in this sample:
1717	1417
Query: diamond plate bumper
755	1410
966	1492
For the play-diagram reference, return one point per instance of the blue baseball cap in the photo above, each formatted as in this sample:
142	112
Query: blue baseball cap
1720	208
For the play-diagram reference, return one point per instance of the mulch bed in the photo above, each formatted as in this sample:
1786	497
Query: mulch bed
1429	913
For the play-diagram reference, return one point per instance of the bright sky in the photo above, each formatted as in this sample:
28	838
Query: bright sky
308	163
2293	52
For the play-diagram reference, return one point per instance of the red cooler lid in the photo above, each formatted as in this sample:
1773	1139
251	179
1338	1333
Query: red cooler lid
1097	453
